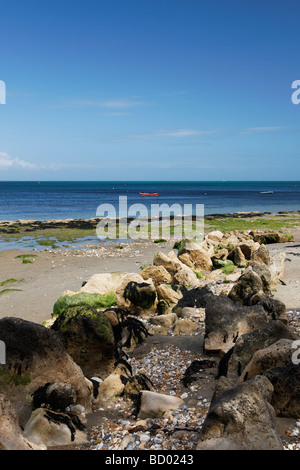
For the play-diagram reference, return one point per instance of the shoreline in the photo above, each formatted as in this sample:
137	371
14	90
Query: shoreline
61	233
49	273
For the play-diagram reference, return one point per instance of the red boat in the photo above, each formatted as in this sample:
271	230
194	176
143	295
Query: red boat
149	194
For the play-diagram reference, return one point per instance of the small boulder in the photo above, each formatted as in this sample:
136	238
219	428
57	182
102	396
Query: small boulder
154	405
158	274
186	277
167	321
53	429
135	385
138	297
114	384
57	396
170	293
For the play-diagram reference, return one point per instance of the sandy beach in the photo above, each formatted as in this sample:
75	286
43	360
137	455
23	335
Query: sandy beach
51	273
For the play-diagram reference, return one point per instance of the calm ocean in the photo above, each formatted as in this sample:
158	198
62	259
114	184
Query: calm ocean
76	200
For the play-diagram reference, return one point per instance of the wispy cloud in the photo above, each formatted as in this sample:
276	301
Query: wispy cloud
6	161
175	133
112	104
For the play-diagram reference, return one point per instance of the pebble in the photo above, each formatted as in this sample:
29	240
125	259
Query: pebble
157	434
165	365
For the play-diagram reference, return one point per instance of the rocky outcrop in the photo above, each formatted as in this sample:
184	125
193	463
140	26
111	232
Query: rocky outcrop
241	418
234	363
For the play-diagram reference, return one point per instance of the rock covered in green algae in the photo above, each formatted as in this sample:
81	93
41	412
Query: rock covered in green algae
83	298
89	339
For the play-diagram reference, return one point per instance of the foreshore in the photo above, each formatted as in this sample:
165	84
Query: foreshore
34	279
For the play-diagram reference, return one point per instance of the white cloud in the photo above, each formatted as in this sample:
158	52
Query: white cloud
6	161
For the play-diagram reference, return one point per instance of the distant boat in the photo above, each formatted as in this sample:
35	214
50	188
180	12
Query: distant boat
149	194
266	192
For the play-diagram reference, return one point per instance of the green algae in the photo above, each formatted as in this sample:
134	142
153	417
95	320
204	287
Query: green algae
96	301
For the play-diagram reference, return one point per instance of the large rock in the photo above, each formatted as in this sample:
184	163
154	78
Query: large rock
275	309
103	283
11	435
236	360
255	280
186	327
215	236
241	418
270	237
248	247
170	262
226	321
89	339
186	277
238	257
261	255
278	354
286	395
135	385
35	356
129	333
56	396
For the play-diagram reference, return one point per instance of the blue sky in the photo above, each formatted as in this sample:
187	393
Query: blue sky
140	90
